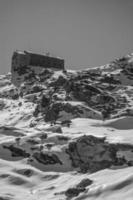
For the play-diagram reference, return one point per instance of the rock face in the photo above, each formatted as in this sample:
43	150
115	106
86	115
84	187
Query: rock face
58	97
47	159
58	126
91	154
81	187
103	92
17	152
65	111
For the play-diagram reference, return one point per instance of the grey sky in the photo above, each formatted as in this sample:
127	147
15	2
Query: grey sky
83	32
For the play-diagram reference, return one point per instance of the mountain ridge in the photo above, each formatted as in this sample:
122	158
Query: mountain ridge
67	134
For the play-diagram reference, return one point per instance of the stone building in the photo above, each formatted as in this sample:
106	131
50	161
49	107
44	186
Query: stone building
26	58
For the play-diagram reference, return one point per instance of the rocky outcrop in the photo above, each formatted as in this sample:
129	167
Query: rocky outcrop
55	129
56	108
17	152
92	154
2	104
66	111
47	159
100	88
81	187
73	192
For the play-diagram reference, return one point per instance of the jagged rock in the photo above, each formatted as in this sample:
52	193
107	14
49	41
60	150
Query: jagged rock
33	141
95	87
45	100
73	192
49	145
2	104
84	91
61	137
92	154
55	129
81	187
25	172
15	96
84	183
31	97
57	148
33	123
66	123
17	152
58	130
10	93
45	74
61	81
43	136
35	88
47	159
54	112
20	104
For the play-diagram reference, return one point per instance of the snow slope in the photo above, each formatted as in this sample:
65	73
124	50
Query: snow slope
67	134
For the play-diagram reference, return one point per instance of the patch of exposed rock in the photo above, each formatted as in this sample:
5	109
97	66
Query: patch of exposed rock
66	111
47	159
92	154
55	109
17	152
81	187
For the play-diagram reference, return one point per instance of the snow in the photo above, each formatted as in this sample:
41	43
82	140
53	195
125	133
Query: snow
24	177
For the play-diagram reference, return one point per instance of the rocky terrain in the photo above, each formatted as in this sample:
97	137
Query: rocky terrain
67	134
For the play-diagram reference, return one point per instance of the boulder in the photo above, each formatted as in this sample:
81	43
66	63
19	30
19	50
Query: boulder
91	154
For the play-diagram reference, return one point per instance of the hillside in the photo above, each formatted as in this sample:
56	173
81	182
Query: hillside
67	134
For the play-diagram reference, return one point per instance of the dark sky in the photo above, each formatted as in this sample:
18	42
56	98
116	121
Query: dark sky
83	32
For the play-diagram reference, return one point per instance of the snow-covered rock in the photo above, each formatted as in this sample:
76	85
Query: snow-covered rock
67	134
